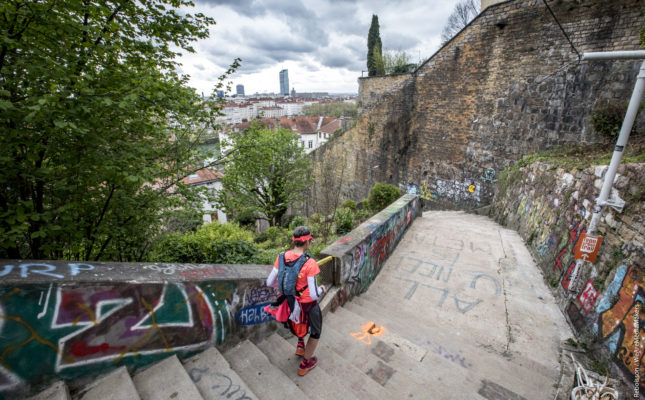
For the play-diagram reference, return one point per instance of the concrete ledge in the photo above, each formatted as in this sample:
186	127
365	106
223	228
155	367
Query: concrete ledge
359	255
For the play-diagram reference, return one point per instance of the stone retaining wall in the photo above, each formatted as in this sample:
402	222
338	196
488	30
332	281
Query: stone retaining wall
551	207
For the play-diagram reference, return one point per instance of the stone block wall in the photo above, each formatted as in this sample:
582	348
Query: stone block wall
508	85
551	208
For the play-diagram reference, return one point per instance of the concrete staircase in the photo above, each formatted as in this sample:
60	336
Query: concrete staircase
488	329
395	361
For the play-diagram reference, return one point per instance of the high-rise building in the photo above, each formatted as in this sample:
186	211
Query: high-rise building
284	82
240	90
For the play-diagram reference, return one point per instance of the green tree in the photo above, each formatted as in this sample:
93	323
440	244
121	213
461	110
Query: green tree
382	195
374	48
397	62
98	127
265	171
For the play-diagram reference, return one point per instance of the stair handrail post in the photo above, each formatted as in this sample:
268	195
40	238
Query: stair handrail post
630	116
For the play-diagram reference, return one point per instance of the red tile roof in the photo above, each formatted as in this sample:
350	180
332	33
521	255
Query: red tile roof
203	175
300	125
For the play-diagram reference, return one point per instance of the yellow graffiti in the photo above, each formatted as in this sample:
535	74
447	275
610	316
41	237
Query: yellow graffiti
425	192
13	292
202	303
153	325
89	312
472	188
367	330
34	336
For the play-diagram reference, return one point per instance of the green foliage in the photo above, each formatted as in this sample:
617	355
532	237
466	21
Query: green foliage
641	36
98	126
344	219
266	171
214	243
553	281
373	46
599	367
335	109
297	221
608	117
382	195
379	62
349	203
275	238
245	217
361	216
397	62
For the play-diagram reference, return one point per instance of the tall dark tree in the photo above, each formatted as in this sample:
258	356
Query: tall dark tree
374	49
97	126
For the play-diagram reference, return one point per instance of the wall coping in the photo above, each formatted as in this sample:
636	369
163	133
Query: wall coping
47	271
345	244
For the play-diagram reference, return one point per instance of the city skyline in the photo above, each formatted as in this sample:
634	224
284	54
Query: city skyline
323	43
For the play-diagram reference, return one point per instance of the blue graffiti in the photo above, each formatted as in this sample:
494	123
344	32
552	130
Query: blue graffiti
253	315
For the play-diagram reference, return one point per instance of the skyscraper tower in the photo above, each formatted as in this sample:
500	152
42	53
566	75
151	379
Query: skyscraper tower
240	90
284	82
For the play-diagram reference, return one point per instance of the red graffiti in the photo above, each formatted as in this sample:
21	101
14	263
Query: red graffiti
343	240
80	349
574	234
587	297
568	275
197	273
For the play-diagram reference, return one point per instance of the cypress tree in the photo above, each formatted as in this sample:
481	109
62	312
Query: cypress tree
374	49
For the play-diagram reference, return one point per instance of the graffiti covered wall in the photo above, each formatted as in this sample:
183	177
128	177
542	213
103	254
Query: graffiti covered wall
67	320
361	253
551	208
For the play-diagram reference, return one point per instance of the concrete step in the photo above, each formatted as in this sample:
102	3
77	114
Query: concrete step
474	366
360	385
260	375
166	379
372	357
215	379
408	357
317	384
116	385
57	391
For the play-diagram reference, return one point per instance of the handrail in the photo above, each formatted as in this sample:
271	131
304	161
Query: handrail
325	260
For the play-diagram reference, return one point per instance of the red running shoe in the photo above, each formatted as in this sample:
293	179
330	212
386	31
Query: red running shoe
307	365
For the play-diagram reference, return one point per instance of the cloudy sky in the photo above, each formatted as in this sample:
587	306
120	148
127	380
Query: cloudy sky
323	43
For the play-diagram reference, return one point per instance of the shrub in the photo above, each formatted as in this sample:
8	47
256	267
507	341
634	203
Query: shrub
297	221
382	195
349	203
608	117
361	216
344	220
213	243
245	217
274	237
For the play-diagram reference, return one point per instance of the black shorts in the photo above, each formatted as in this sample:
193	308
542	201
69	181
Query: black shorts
313	318
315	321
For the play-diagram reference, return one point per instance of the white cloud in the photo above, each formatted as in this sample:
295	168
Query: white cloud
323	43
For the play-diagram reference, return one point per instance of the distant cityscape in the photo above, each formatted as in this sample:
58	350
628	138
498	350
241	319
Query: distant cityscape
284	109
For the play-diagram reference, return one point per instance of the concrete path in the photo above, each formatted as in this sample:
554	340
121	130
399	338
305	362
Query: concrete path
466	290
459	311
